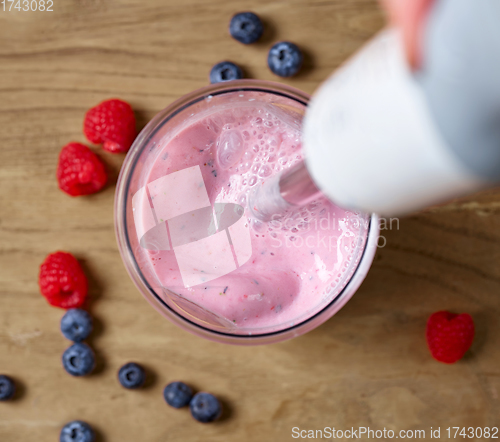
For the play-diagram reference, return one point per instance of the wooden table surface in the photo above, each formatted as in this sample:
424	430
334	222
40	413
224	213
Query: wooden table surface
367	366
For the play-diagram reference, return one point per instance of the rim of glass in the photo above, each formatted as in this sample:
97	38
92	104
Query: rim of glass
122	235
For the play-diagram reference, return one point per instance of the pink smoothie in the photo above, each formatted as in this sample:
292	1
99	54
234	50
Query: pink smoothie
288	269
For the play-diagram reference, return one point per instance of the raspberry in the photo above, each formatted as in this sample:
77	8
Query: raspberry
449	335
112	123
80	171
62	281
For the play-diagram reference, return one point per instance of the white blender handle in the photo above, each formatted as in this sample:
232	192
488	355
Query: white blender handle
380	138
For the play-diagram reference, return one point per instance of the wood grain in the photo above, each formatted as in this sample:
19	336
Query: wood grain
368	366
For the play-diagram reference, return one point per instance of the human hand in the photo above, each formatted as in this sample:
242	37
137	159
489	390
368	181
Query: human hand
409	16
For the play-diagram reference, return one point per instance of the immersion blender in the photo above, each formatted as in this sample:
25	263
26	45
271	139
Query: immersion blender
379	137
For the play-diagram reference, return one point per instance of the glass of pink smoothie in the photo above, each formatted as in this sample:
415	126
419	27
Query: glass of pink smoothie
186	236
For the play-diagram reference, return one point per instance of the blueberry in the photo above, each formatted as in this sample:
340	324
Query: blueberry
78	360
225	71
132	375
177	394
76	325
205	407
77	431
285	59
246	27
7	388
